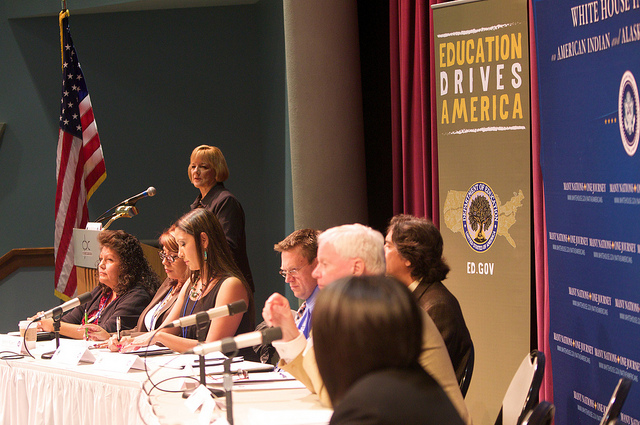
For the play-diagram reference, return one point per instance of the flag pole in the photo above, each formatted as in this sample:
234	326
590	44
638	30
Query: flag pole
64	13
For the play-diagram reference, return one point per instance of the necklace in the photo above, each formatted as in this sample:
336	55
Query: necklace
195	293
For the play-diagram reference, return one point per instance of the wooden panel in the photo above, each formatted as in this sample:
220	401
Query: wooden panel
25	257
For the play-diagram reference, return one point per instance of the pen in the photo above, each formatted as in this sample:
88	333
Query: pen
86	331
118	327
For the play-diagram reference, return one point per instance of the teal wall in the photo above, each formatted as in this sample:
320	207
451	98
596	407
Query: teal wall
161	83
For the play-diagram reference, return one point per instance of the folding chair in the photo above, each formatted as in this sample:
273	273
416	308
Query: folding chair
465	381
542	414
618	397
522	394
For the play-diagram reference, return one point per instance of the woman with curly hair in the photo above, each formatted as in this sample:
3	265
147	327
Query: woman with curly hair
126	283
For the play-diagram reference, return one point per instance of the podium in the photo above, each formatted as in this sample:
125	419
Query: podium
86	258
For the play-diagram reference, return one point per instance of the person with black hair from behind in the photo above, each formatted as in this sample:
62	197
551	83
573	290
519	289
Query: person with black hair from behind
367	341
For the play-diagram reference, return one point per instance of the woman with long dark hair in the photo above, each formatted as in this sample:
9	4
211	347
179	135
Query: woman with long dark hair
214	281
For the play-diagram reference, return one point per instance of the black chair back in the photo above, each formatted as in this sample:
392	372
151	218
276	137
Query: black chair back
542	414
465	380
617	400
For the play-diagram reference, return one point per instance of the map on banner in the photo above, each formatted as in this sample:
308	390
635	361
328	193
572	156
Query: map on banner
453	217
588	66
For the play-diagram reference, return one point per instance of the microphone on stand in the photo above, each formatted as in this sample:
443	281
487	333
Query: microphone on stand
235	307
151	191
231	344
129	202
79	300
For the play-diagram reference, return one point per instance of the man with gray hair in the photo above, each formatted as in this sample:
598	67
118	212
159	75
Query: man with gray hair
352	249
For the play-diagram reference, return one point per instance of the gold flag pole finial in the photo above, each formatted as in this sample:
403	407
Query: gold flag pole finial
64	13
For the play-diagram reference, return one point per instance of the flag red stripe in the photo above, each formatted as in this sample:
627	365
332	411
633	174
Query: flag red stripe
71	217
87	117
80	167
62	165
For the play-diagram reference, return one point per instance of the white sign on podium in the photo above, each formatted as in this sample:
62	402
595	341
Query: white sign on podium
86	249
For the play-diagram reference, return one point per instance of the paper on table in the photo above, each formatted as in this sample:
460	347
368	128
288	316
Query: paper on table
236	366
289	417
274	385
260	381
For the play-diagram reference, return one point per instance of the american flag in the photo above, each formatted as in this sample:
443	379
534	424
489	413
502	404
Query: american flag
80	165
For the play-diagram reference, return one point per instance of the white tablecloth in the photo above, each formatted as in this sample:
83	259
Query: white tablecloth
38	392
35	391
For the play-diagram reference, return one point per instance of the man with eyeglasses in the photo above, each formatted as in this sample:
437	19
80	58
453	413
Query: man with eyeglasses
298	253
352	250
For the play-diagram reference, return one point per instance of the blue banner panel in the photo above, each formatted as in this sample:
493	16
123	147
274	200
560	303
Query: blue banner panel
589	70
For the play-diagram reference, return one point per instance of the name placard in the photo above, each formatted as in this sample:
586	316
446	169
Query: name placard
116	362
73	352
13	344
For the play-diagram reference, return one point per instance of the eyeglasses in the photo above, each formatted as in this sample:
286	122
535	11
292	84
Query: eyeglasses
291	272
170	258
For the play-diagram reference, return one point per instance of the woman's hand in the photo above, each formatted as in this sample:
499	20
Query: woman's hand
95	332
45	325
114	345
136	343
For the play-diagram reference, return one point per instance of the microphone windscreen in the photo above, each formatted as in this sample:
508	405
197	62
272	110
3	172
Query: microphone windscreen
236	307
271	334
84	298
151	191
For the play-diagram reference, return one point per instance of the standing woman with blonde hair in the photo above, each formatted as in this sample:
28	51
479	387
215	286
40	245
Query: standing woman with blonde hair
207	171
214	281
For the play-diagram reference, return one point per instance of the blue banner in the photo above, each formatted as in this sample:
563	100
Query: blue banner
589	70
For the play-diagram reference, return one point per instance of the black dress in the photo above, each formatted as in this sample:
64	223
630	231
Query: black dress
230	214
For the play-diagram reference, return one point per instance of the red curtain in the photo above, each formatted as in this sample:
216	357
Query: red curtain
414	141
415	160
539	222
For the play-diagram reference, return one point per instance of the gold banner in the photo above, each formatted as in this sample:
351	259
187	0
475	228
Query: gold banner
484	142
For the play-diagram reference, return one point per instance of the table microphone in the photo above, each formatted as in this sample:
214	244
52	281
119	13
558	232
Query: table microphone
79	300
231	344
235	307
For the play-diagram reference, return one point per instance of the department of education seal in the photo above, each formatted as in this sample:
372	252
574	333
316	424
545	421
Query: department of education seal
629	113
480	217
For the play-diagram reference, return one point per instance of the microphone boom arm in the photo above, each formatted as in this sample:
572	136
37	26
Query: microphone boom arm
128	212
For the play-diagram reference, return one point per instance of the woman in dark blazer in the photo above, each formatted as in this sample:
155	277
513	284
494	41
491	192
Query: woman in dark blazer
207	172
